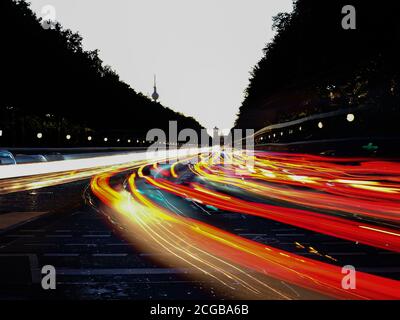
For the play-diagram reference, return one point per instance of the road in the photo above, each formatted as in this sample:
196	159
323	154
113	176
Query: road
222	226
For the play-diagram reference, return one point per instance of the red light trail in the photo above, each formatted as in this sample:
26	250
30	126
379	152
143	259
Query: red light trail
352	199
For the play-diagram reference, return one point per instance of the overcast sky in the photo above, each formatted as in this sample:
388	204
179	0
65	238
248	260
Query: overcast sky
202	51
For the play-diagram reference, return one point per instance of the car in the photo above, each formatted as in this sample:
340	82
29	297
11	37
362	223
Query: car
54	156
6	158
29	158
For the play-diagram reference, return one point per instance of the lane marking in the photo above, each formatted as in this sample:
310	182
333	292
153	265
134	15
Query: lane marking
382	231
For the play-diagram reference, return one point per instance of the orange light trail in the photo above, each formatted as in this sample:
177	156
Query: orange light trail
249	267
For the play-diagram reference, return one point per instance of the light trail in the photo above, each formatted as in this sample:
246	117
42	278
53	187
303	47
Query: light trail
249	268
324	189
34	169
329	225
22	177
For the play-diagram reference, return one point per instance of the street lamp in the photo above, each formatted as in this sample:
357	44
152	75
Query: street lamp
89	138
320	125
68	137
105	139
39	135
350	117
129	141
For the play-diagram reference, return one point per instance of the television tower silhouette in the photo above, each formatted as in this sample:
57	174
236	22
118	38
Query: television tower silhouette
155	94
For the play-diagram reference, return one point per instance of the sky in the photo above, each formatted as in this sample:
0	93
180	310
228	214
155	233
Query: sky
201	51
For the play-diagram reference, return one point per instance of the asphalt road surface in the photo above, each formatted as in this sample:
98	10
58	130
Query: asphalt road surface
92	260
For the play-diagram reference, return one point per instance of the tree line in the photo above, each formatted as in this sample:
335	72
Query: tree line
49	83
314	65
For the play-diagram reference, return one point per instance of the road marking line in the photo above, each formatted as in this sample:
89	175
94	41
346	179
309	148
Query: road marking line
116	271
382	231
109	254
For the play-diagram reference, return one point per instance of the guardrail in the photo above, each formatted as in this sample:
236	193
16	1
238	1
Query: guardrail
363	129
361	121
319	116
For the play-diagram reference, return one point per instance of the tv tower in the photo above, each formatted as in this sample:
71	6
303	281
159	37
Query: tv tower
155	94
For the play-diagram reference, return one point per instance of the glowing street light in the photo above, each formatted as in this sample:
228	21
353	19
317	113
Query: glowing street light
68	137
320	125
105	139
350	117
89	138
39	135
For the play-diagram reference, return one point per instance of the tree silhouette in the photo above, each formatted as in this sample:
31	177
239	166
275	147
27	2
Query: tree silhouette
50	84
314	65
